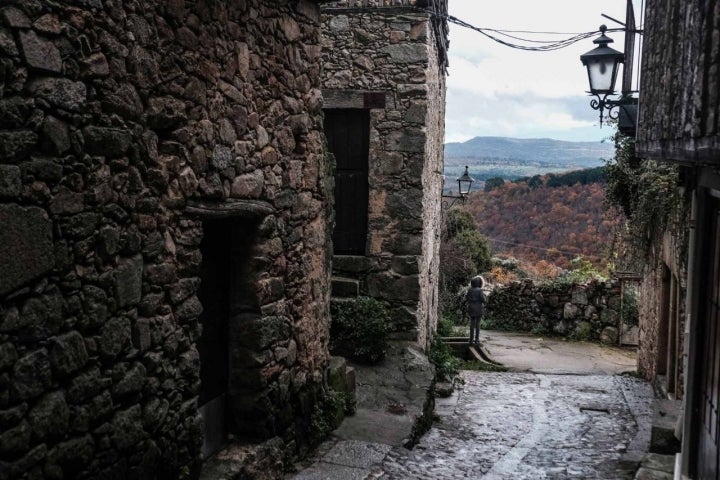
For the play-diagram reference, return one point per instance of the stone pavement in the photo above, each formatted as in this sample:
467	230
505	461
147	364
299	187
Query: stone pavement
512	426
540	354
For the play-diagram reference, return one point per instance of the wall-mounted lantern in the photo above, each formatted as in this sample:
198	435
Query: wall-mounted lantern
602	64
465	182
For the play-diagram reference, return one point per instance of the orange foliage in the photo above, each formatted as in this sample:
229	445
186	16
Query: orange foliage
550	224
542	269
498	274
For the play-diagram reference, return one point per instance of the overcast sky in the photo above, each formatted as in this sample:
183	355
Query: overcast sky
494	90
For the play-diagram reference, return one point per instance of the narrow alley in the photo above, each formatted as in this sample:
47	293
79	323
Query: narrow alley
516	425
528	426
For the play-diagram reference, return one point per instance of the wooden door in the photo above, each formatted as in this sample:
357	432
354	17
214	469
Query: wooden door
348	135
709	388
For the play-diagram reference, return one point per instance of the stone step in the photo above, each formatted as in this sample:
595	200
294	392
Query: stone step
345	287
630	336
656	467
341	376
662	433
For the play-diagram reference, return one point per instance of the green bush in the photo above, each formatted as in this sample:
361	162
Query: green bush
328	414
476	248
458	220
489	323
447	365
464	252
453	304
359	329
581	271
481	366
445	326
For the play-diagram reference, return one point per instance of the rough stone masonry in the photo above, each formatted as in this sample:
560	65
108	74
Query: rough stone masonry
397	50
125	126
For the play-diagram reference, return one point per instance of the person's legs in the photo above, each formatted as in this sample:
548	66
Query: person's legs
473	327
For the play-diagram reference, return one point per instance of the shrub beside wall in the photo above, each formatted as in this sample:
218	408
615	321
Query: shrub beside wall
359	329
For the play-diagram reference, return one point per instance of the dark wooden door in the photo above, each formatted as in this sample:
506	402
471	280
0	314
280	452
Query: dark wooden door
348	135
709	388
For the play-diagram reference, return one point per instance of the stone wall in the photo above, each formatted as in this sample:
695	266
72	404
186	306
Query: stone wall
680	92
432	184
123	126
679	119
589	311
655	305
395	52
649	315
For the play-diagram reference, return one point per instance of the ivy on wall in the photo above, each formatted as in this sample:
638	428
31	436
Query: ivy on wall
648	193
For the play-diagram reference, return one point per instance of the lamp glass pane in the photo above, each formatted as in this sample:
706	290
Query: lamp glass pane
464	186
601	74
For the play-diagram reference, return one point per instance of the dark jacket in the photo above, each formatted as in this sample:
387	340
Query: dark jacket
476	302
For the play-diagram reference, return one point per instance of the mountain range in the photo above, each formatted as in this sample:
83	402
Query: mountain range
537	151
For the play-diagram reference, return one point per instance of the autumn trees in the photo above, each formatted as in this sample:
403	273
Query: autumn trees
547	219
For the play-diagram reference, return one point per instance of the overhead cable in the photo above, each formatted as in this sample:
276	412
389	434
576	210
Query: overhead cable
547	44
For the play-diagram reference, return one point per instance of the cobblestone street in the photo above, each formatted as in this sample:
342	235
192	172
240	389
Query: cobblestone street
513	426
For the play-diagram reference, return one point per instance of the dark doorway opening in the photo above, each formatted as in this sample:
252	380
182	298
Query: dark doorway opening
214	294
663	325
224	292
708	391
669	344
348	135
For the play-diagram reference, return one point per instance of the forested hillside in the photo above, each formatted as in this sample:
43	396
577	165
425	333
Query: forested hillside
513	158
552	217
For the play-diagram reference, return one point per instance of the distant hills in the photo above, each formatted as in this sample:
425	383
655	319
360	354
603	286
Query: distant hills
538	151
513	158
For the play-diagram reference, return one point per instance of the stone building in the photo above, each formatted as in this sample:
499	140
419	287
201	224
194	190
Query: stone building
164	255
384	99
679	122
662	316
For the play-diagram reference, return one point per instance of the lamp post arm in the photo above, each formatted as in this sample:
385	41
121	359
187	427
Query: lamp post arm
449	201
613	107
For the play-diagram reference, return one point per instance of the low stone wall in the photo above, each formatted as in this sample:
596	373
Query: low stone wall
589	311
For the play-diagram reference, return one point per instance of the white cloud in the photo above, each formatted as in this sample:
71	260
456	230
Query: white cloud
497	90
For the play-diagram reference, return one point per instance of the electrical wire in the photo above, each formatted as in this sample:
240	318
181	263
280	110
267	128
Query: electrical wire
505	34
494	34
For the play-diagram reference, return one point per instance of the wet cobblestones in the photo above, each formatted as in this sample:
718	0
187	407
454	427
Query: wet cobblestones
526	426
503	426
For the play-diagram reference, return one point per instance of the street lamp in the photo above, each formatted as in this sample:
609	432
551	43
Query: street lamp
602	63
465	182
